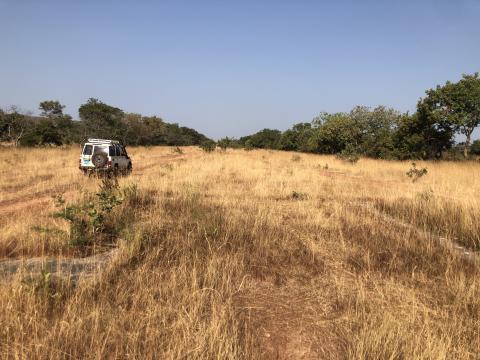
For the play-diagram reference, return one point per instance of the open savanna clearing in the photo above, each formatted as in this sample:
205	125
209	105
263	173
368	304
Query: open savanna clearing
244	254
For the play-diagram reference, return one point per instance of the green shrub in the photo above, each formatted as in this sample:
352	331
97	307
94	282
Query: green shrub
208	146
349	154
414	173
224	143
91	221
248	145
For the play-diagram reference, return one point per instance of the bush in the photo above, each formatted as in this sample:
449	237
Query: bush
349	154
224	143
91	221
248	146
415	173
208	146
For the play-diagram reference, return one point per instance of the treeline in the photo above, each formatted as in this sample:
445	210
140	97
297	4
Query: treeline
445	112
97	119
429	133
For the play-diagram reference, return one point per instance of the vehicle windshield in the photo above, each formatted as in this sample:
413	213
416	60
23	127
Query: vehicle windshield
87	150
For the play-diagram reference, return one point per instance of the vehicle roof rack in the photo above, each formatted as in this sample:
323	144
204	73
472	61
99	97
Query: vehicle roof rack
103	141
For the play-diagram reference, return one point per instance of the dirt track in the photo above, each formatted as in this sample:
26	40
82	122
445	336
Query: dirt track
71	268
45	197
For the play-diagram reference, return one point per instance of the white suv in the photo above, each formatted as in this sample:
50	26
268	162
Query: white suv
105	155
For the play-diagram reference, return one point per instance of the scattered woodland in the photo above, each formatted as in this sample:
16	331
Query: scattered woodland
341	238
445	112
239	254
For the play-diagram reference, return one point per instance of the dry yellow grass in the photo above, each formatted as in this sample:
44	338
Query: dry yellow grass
256	254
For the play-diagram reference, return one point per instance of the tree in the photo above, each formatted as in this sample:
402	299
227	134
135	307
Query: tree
419	136
475	148
377	127
13	126
208	146
224	143
297	138
54	128
136	132
265	139
101	120
333	132
51	108
456	105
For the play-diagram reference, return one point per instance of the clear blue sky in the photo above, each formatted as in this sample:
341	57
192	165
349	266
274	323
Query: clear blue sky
231	68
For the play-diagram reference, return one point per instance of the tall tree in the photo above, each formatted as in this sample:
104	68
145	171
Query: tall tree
55	127
266	139
377	127
101	120
421	136
51	108
333	132
296	138
456	105
13	126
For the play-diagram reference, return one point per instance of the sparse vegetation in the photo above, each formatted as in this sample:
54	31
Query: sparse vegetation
415	173
227	257
93	220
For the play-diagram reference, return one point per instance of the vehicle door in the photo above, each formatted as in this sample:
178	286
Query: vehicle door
86	156
113	154
125	158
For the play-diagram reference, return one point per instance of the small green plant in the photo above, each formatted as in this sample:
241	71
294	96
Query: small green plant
415	173
208	146
90	221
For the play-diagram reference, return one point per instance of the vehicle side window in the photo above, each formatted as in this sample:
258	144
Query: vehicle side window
111	151
118	152
87	150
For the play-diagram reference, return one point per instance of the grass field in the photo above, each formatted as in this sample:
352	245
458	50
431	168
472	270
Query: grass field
247	254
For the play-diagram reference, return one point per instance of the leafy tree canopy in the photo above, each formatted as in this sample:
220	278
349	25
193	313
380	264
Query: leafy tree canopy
456	106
